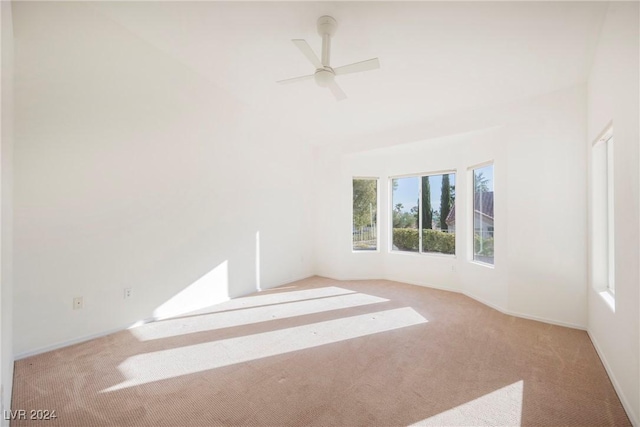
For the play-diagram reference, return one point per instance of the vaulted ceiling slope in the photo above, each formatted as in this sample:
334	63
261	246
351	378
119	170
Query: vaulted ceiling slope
436	57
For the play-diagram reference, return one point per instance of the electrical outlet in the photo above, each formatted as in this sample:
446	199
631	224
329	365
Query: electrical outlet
78	303
128	292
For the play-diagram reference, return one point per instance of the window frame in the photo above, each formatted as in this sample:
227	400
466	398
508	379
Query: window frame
604	284
611	247
471	213
390	212
377	212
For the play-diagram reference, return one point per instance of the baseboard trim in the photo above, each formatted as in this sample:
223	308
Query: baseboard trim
480	300
79	340
74	341
614	381
525	316
408	282
440	288
299	278
89	337
345	279
545	320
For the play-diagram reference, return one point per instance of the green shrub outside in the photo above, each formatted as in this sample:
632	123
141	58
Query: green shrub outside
487	246
438	241
407	239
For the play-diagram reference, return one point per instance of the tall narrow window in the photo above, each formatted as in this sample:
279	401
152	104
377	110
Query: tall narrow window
438	212
365	212
405	214
483	226
611	285
603	253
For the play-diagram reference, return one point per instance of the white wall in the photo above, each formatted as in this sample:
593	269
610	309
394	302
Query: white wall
540	197
132	170
6	211
613	92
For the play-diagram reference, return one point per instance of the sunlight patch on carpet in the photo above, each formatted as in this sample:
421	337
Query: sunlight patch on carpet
502	407
228	319
175	362
268	298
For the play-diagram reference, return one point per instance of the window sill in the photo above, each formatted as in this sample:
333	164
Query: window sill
422	254
483	264
609	299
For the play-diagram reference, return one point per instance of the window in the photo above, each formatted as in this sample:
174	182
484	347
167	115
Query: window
405	214
365	213
438	213
603	253
423	214
483	226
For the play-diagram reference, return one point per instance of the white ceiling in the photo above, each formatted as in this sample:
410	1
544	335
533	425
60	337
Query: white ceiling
436	57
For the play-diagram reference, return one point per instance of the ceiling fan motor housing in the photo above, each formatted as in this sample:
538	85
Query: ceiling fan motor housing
327	25
324	77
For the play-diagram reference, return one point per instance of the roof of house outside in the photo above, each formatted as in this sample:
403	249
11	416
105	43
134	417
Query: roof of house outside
483	201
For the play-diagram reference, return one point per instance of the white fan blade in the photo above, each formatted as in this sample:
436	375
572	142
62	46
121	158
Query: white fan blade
308	52
336	91
295	79
369	64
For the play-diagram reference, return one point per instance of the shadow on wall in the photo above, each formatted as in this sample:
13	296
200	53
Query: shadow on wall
321	352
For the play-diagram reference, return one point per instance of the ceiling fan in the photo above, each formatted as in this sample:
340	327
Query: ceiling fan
325	74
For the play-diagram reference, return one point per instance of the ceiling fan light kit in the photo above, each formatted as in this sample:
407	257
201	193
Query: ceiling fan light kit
324	75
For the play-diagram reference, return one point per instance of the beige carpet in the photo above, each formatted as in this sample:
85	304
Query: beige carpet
322	352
